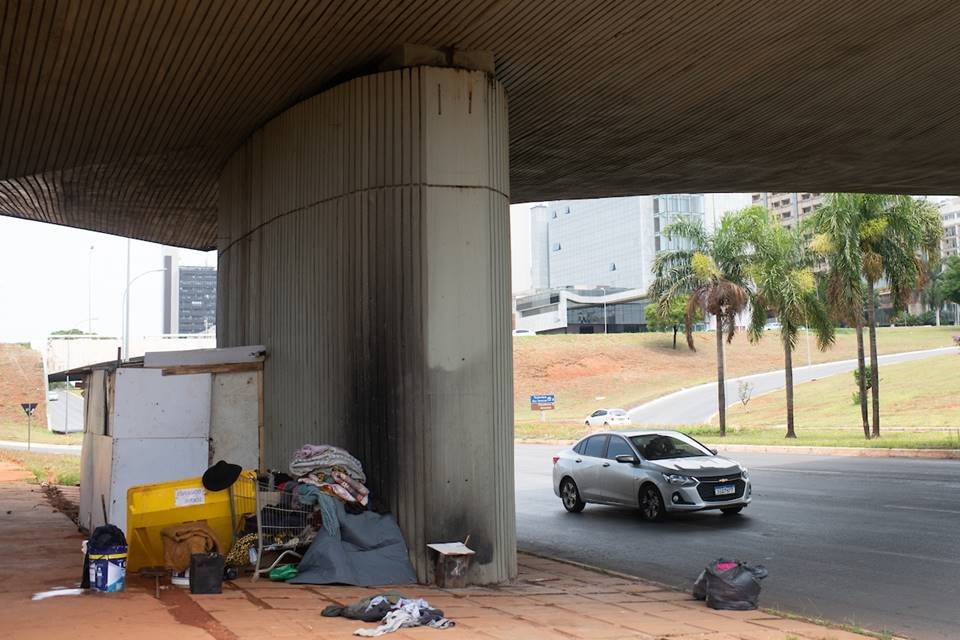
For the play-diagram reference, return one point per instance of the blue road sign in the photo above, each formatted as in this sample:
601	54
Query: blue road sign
543	398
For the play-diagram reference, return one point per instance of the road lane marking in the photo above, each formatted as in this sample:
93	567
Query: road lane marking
893	506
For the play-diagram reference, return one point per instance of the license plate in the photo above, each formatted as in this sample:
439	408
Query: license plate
725	489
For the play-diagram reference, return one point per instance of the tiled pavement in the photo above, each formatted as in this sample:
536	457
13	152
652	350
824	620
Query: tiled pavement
549	600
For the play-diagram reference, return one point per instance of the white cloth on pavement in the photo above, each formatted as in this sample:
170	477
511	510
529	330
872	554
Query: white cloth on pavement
406	613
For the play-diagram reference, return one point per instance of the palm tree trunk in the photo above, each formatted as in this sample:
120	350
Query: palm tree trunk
721	383
861	364
788	375
874	364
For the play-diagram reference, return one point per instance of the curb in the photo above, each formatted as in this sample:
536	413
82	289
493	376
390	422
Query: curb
851	452
609	572
855	452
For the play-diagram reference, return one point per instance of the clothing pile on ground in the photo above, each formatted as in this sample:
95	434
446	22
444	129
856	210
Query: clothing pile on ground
393	611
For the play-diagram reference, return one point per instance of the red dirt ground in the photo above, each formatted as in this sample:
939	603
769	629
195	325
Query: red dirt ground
21	380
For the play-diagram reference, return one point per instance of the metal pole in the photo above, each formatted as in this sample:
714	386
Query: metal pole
90	291
604	310
66	395
126	309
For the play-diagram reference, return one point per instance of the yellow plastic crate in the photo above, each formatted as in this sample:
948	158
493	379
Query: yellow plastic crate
151	507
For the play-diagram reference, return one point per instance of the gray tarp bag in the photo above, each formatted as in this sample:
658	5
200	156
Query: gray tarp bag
730	584
370	551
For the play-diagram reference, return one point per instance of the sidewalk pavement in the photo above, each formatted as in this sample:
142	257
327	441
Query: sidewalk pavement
549	599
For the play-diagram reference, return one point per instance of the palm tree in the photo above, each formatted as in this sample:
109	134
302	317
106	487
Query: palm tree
784	284
710	270
895	237
837	225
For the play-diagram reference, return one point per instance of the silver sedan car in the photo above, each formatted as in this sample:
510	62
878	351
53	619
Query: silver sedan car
657	471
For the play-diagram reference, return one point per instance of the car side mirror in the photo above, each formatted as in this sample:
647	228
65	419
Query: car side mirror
627	459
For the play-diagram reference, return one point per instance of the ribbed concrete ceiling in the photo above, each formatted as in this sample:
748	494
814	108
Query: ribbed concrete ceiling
118	116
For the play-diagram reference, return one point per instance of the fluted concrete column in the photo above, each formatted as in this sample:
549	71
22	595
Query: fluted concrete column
364	239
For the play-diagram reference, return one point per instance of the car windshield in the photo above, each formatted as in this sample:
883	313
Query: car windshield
658	446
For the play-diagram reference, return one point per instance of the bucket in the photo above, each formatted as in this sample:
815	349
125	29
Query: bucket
108	569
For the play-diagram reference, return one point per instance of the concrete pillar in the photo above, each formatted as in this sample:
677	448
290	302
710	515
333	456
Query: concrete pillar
364	239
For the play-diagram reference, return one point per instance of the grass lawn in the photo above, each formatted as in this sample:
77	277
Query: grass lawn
625	370
924	394
46	467
17	431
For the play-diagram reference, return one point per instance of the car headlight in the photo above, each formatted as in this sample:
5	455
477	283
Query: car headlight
744	474
678	480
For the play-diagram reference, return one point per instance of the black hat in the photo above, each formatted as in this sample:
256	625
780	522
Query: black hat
221	476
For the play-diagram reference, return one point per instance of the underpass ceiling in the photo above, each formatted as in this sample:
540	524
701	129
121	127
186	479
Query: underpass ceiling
118	116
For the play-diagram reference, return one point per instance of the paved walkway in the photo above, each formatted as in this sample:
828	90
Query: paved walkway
549	600
697	405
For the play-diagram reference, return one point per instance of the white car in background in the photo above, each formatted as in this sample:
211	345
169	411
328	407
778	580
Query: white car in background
607	418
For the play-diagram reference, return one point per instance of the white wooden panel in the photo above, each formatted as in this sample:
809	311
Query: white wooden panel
94	398
139	461
148	404
234	417
95	479
253	353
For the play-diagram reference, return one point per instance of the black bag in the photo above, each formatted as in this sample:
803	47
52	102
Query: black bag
730	584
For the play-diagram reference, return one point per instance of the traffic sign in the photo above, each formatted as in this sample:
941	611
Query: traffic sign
28	408
542	402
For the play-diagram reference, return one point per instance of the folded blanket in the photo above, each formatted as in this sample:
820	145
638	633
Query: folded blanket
311	458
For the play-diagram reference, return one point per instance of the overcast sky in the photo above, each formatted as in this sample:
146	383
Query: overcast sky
45	272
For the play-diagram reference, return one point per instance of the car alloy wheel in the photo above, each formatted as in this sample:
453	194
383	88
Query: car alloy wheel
570	496
651	503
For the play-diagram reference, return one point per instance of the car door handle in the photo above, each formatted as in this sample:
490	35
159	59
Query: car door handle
578	461
606	464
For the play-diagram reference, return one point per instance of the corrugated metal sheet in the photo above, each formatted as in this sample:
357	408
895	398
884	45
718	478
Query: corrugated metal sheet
120	116
364	240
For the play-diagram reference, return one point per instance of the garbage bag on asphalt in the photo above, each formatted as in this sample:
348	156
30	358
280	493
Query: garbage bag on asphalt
730	584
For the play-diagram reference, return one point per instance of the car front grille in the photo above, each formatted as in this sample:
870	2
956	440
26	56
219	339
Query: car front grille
707	485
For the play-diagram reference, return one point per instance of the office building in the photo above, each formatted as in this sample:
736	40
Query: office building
611	242
189	296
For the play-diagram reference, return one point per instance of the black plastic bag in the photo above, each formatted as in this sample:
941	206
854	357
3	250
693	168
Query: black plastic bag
730	584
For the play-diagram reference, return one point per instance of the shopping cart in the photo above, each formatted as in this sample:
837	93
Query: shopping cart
283	527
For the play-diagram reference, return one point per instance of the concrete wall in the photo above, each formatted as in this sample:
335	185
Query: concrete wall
364	239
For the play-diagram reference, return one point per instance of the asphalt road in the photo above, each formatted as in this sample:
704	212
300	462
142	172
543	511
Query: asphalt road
866	541
66	413
697	405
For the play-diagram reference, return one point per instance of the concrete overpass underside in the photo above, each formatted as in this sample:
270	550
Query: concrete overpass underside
361	210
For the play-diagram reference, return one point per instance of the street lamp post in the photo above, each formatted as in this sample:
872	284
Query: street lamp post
604	309
90	291
126	305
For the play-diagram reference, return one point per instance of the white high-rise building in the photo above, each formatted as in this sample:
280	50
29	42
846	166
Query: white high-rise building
611	242
950	216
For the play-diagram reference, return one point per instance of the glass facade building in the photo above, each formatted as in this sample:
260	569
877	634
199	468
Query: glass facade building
611	242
